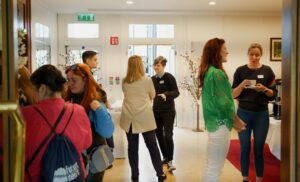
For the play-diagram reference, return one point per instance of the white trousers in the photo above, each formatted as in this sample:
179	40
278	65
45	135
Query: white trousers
217	149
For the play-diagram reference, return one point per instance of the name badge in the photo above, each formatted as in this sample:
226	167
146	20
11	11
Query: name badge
260	76
161	82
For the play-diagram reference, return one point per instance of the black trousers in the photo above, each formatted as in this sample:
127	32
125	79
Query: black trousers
97	177
164	133
110	142
133	153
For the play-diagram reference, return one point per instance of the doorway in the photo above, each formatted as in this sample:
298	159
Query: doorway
74	55
149	52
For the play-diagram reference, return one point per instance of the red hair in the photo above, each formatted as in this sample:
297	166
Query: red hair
24	83
211	56
91	89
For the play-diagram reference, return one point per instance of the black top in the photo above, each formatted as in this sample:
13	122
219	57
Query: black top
250	99
97	139
103	95
165	85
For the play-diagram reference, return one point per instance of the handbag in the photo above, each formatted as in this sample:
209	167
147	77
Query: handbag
100	158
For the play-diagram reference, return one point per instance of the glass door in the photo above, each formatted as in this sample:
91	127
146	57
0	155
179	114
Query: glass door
150	52
74	54
42	45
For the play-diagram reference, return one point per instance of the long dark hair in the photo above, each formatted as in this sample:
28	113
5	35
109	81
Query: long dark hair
50	76
211	56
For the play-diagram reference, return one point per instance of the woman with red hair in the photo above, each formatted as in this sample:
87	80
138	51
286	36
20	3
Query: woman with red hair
218	107
83	90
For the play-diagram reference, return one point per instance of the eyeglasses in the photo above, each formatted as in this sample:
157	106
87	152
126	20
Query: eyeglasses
75	67
72	67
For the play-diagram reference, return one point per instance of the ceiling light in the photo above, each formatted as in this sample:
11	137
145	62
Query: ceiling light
212	3
129	2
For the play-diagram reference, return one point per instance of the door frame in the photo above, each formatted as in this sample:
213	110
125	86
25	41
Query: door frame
13	125
290	137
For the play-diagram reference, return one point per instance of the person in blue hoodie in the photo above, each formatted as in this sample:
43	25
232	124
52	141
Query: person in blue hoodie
83	89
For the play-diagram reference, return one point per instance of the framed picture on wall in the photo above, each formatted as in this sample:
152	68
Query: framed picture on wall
275	49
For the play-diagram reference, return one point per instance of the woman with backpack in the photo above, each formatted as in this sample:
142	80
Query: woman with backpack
83	89
52	118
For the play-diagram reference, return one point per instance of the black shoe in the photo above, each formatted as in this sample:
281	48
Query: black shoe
164	161
162	177
109	167
171	166
135	179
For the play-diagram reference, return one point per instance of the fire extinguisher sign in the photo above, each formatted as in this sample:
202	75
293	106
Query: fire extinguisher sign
114	40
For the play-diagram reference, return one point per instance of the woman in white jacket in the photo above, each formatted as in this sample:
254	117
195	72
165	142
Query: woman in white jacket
137	116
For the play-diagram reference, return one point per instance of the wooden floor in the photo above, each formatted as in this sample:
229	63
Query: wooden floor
190	149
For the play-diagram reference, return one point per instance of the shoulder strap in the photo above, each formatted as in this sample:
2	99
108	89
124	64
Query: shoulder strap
69	119
47	137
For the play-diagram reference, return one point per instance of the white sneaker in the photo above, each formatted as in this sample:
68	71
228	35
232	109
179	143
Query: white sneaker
171	167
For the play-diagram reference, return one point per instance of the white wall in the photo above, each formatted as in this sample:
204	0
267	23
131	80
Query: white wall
41	14
239	31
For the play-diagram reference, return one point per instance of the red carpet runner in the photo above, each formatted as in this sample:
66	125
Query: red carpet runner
272	164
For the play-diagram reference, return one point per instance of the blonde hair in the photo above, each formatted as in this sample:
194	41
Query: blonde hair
135	69
255	45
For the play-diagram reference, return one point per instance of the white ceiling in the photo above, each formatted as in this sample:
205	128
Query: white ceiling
171	6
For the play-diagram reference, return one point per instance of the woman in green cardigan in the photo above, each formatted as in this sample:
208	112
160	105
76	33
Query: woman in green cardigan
218	107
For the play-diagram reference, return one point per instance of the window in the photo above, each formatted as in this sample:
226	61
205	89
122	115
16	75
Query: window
151	31
42	45
42	56
165	31
41	31
74	55
83	30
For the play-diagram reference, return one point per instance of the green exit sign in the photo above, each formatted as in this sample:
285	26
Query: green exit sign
85	17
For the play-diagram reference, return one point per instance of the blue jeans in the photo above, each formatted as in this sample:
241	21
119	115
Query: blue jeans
258	122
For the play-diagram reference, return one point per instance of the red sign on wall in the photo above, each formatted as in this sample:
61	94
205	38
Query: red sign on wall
114	40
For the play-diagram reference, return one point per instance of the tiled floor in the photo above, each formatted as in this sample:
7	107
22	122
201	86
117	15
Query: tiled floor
189	159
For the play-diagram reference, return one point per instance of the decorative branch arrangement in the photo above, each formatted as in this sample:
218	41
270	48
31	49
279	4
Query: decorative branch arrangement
22	52
191	82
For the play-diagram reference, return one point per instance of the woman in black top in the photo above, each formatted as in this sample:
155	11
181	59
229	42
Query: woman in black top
253	87
164	109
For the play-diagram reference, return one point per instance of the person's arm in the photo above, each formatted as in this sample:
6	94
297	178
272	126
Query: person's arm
101	119
261	88
174	92
238	90
224	100
151	90
269	89
238	84
238	124
221	92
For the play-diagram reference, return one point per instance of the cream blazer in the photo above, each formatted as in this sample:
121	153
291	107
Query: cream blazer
137	106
